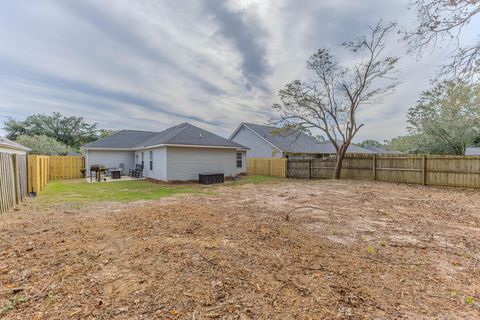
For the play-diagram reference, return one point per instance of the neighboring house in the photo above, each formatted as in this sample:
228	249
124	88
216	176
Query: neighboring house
378	150
472	151
267	142
178	153
9	146
72	153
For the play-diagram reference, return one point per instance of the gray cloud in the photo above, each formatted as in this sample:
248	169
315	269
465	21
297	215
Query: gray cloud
248	36
123	32
149	64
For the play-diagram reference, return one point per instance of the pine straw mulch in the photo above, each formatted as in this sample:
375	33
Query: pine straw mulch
350	250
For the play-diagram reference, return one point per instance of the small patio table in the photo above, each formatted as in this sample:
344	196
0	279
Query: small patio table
115	173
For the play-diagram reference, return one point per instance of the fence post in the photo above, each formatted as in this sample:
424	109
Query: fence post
424	172
16	178
374	167
309	169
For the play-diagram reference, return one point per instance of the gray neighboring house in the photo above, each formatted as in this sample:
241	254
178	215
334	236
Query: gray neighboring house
178	153
9	146
265	142
378	150
472	151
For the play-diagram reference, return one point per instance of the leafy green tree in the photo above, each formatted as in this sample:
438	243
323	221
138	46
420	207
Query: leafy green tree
71	131
43	145
446	119
370	143
404	144
102	133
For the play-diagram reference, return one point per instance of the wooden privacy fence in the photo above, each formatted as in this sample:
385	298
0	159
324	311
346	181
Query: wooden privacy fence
13	180
456	171
66	167
41	169
267	167
38	172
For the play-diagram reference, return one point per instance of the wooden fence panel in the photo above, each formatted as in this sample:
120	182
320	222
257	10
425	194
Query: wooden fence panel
21	167
429	170
38	172
453	171
267	167
7	183
66	167
42	169
399	169
12	180
299	169
322	168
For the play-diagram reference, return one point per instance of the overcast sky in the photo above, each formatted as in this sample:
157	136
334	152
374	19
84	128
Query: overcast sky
151	64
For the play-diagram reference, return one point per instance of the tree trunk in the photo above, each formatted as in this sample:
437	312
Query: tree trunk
338	165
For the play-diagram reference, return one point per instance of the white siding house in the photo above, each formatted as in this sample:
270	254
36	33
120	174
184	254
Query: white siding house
110	158
155	162
472	151
259	146
178	153
269	142
11	147
186	163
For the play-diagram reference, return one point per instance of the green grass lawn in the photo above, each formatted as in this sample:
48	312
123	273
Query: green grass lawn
81	191
76	191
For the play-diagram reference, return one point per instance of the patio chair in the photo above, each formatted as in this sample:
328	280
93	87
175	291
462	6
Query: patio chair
138	173
121	166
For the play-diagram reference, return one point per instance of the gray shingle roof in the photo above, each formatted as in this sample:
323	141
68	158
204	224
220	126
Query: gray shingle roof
297	142
327	147
381	150
123	139
12	144
188	134
183	134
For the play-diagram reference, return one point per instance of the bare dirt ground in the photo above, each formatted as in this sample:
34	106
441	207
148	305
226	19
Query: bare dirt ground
353	250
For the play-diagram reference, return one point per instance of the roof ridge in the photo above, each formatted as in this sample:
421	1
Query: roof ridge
262	125
184	124
137	130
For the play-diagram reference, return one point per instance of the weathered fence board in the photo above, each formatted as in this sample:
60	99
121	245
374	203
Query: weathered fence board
267	167
12	180
428	170
22	191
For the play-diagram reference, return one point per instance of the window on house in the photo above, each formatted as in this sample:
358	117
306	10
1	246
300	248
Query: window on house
142	161
151	160
239	160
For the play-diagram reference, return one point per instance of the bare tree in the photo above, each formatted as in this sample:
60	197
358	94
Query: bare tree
331	99
441	21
